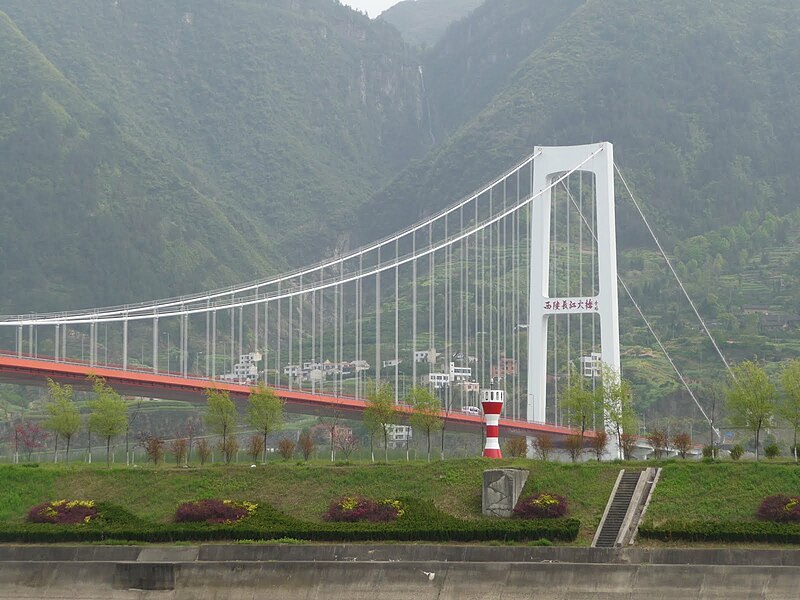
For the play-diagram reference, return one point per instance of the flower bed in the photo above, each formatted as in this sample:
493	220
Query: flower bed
352	509
214	511
63	512
780	508
541	506
421	521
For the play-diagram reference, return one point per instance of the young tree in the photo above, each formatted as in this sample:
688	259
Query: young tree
581	401
543	445
265	413
306	444
255	446
286	448
380	412
30	436
627	442
574	446
789	408
203	450
332	427
516	447
63	417
427	412
346	442
751	398
598	443
659	440
134	411
191	429
617	395
220	414
109	413
178	448
154	448
682	443
229	447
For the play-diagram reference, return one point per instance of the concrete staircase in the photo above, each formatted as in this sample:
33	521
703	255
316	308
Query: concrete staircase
626	508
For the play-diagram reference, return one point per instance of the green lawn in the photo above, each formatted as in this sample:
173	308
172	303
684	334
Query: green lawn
687	491
724	491
303	491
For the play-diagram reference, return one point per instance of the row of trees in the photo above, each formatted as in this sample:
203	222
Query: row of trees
109	417
382	412
754	401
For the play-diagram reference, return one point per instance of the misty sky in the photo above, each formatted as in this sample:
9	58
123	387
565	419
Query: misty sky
372	7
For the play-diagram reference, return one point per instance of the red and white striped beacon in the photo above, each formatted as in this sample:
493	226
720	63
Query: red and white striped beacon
492	403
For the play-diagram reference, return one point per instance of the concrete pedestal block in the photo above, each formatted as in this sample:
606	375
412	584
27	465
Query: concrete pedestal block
501	490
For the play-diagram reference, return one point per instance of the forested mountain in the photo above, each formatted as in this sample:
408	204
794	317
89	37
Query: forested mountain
190	143
422	22
699	99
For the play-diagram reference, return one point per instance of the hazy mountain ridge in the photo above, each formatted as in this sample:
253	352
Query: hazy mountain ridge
422	22
692	96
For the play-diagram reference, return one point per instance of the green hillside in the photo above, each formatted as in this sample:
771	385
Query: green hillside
263	126
87	213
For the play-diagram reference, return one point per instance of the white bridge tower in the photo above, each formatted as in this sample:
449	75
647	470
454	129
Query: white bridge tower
597	159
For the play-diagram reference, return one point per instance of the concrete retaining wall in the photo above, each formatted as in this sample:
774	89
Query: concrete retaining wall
370	572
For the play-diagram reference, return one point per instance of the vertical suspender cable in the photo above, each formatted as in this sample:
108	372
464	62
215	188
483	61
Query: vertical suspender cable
214	344
266	342
414	381
278	359
378	365
301	301
396	322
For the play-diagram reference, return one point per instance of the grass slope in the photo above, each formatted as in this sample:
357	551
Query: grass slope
303	491
687	492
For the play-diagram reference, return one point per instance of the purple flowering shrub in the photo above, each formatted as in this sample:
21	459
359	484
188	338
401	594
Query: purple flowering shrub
541	506
213	511
780	508
63	512
358	508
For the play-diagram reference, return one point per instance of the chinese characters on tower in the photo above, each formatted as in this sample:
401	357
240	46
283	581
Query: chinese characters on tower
567	305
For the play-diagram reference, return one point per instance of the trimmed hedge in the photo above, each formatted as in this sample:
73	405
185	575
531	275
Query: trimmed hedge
421	522
723	531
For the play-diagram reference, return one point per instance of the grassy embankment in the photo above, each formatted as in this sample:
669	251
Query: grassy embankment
687	491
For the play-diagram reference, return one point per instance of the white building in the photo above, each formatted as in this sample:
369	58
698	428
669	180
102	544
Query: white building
398	435
429	356
459	373
438	380
246	370
590	365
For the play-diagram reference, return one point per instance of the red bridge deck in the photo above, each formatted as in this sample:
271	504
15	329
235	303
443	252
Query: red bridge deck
30	371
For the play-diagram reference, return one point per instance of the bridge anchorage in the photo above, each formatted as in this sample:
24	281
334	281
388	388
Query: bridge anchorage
504	290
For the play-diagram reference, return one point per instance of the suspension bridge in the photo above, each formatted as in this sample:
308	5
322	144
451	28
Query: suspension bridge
503	289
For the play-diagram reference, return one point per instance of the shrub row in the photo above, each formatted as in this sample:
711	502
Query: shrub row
421	522
723	531
566	530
